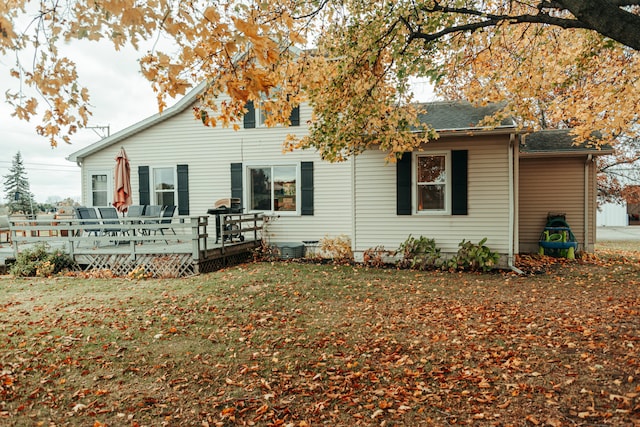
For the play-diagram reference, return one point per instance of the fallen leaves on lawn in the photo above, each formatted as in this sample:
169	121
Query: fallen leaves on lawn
304	345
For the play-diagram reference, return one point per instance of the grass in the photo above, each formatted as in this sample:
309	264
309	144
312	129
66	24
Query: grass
305	345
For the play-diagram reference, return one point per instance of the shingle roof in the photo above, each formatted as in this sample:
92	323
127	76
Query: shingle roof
558	140
460	115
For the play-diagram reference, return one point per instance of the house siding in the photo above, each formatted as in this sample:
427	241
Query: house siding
208	152
554	185
358	197
376	220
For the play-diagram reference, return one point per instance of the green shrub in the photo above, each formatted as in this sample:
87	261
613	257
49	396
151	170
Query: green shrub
473	257
420	253
62	261
38	261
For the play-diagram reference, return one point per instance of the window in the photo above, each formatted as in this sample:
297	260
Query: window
425	183
256	115
273	188
155	186
432	182
99	190
164	186
262	115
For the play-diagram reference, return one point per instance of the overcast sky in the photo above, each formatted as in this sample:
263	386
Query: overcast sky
120	97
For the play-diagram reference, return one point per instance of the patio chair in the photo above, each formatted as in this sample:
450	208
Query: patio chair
90	214
109	217
135	211
151	216
166	218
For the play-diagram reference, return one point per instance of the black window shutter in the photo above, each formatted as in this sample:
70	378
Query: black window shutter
183	189
459	182
250	116
143	185
294	118
306	187
236	181
403	185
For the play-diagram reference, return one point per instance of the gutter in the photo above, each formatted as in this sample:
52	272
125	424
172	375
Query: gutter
564	153
512	207
500	130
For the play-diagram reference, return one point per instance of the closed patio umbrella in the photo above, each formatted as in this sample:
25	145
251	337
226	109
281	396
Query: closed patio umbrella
122	195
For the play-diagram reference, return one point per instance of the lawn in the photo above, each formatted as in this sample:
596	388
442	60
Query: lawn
272	344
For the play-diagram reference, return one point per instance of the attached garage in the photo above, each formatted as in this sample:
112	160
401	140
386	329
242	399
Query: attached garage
556	177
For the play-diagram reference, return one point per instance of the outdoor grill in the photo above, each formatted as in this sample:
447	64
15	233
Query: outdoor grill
226	206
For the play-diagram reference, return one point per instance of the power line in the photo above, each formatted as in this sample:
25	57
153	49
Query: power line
50	170
41	164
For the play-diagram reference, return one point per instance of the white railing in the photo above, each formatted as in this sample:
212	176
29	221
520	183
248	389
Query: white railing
132	233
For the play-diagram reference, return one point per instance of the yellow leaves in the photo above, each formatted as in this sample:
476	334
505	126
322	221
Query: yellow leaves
249	29
245	48
211	14
587	86
236	91
264	48
7	35
297	38
259	81
84	94
24	112
132	16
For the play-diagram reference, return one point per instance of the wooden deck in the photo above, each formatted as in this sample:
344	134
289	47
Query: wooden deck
186	246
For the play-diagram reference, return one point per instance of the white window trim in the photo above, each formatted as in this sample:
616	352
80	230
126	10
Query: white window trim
414	181
246	191
110	185
152	181
259	112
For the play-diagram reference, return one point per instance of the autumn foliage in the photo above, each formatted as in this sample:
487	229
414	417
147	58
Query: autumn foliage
352	61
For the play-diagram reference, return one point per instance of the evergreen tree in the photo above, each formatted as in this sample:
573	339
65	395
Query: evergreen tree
16	188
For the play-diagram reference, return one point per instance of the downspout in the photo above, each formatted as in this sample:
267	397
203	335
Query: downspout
79	162
354	234
512	207
586	202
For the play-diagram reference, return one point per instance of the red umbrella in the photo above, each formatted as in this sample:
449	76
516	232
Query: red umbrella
122	195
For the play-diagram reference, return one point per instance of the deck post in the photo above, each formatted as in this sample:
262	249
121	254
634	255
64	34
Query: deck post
14	242
255	227
223	220
70	233
132	246
196	236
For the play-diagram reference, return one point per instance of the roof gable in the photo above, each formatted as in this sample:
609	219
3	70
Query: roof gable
184	103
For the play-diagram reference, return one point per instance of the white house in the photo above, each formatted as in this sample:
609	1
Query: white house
623	213
471	183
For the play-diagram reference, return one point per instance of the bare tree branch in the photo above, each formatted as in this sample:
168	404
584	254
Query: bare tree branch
605	17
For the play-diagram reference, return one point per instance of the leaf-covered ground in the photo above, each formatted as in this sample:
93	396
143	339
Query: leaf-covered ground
306	345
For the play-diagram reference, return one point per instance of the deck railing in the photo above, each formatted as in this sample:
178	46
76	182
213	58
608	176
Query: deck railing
129	234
